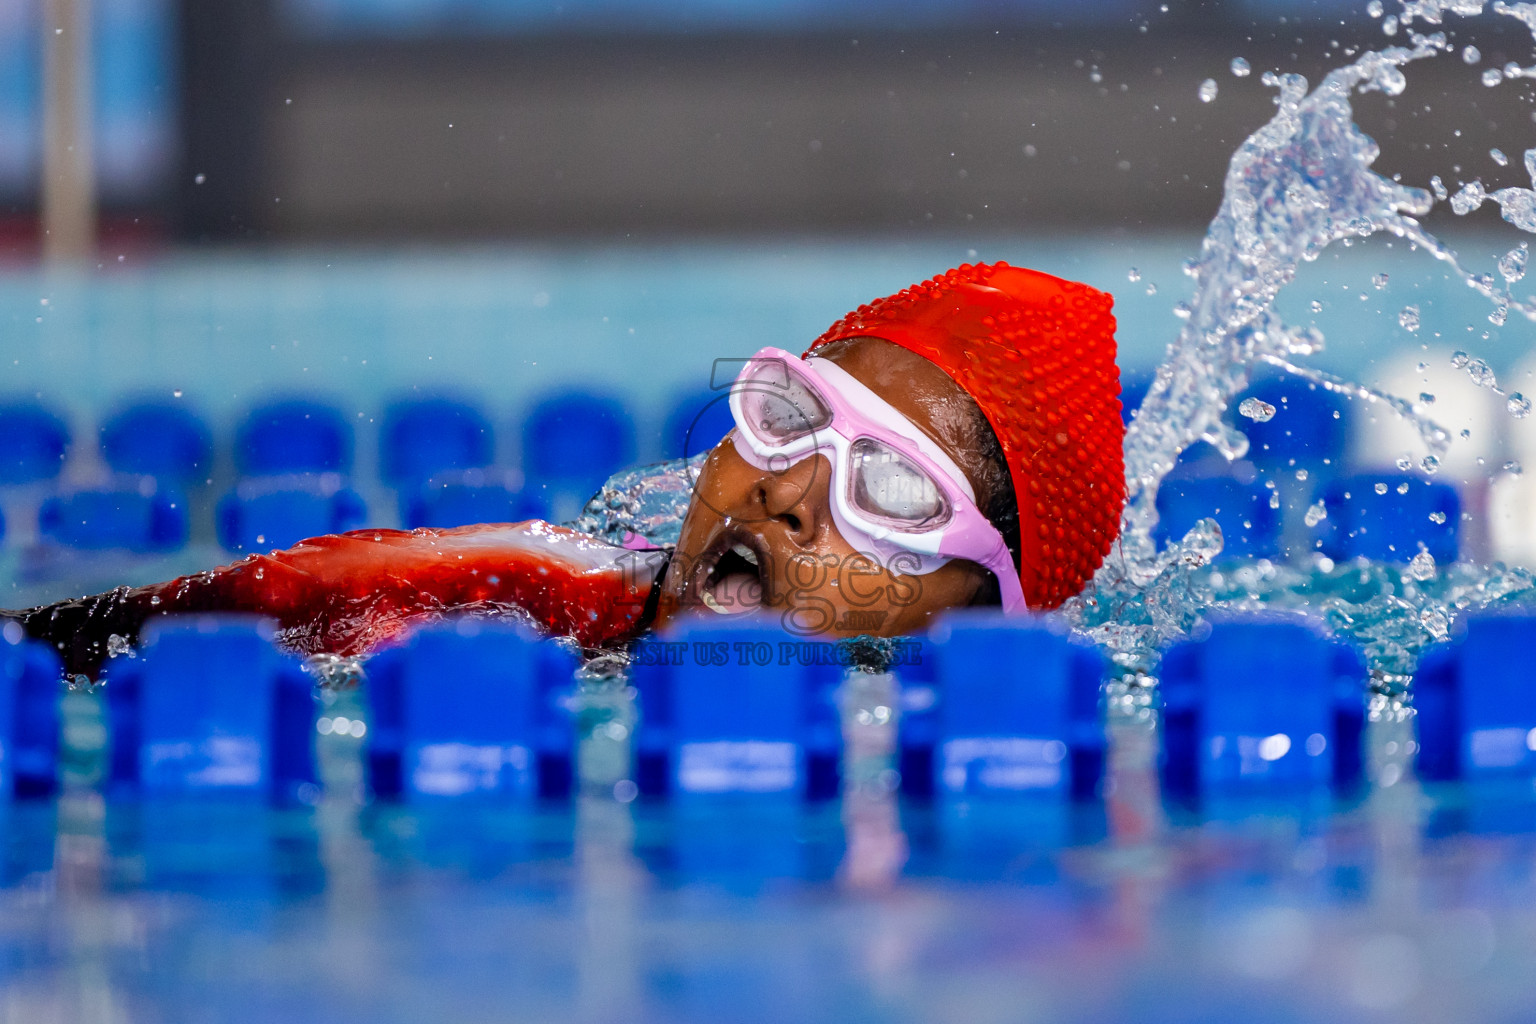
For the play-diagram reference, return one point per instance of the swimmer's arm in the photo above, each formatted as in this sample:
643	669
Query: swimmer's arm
348	593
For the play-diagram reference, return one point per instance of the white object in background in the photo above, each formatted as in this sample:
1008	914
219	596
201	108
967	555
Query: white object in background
1381	436
1471	414
1512	497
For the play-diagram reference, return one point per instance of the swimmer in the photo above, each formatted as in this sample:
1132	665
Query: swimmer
955	444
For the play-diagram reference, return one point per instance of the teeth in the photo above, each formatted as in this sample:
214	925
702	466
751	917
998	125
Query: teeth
745	552
713	605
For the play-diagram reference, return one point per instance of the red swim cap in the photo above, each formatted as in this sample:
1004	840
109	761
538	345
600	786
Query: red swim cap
1038	355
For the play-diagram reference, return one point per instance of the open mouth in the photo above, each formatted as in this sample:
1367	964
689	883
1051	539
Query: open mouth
734	584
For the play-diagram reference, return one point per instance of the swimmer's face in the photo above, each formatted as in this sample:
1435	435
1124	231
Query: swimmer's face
758	539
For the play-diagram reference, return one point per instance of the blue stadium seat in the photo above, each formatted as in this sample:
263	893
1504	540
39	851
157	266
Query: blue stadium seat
775	734
211	706
424	437
575	440
469	709
277	512
697	422
1017	710
1310	426
1261	704
164	440
140	516
1250	528
35	441
1472	697
1133	388
30	682
1385	516
473	496
295	435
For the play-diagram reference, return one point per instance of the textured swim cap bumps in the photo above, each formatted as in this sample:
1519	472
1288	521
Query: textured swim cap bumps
1038	355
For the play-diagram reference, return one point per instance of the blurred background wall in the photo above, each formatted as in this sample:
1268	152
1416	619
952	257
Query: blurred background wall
360	200
318	120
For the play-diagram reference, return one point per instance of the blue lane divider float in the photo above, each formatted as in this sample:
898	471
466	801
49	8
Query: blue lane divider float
469	709
277	512
1473	697
30	679
742	708
137	515
209	706
1017	708
1262	704
1386	516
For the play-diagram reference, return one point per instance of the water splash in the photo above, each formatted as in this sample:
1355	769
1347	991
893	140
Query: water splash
1297	185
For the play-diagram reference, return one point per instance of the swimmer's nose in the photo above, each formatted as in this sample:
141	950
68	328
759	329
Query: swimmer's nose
796	497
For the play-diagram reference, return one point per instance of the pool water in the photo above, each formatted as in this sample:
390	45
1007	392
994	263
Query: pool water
1405	903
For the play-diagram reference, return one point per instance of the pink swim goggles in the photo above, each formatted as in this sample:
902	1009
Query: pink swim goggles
896	495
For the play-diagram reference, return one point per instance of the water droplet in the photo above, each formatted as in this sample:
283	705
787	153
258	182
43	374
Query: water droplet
1316	513
1513	468
176	393
1408	319
1301	474
1438	518
1402	488
1459	359
1257	410
1470	197
1133	275
1317	307
1499	157
1512	263
1426	398
1182	310
1381	488
1274	499
1438	187
1379	281
1374	8
1422	567
1404	463
1435	623
1240	67
1481	374
198	179
1518	405
1430	465
1151	288
1208	90
1471	54
1492	77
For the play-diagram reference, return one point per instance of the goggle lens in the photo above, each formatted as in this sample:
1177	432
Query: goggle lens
777	405
887	486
